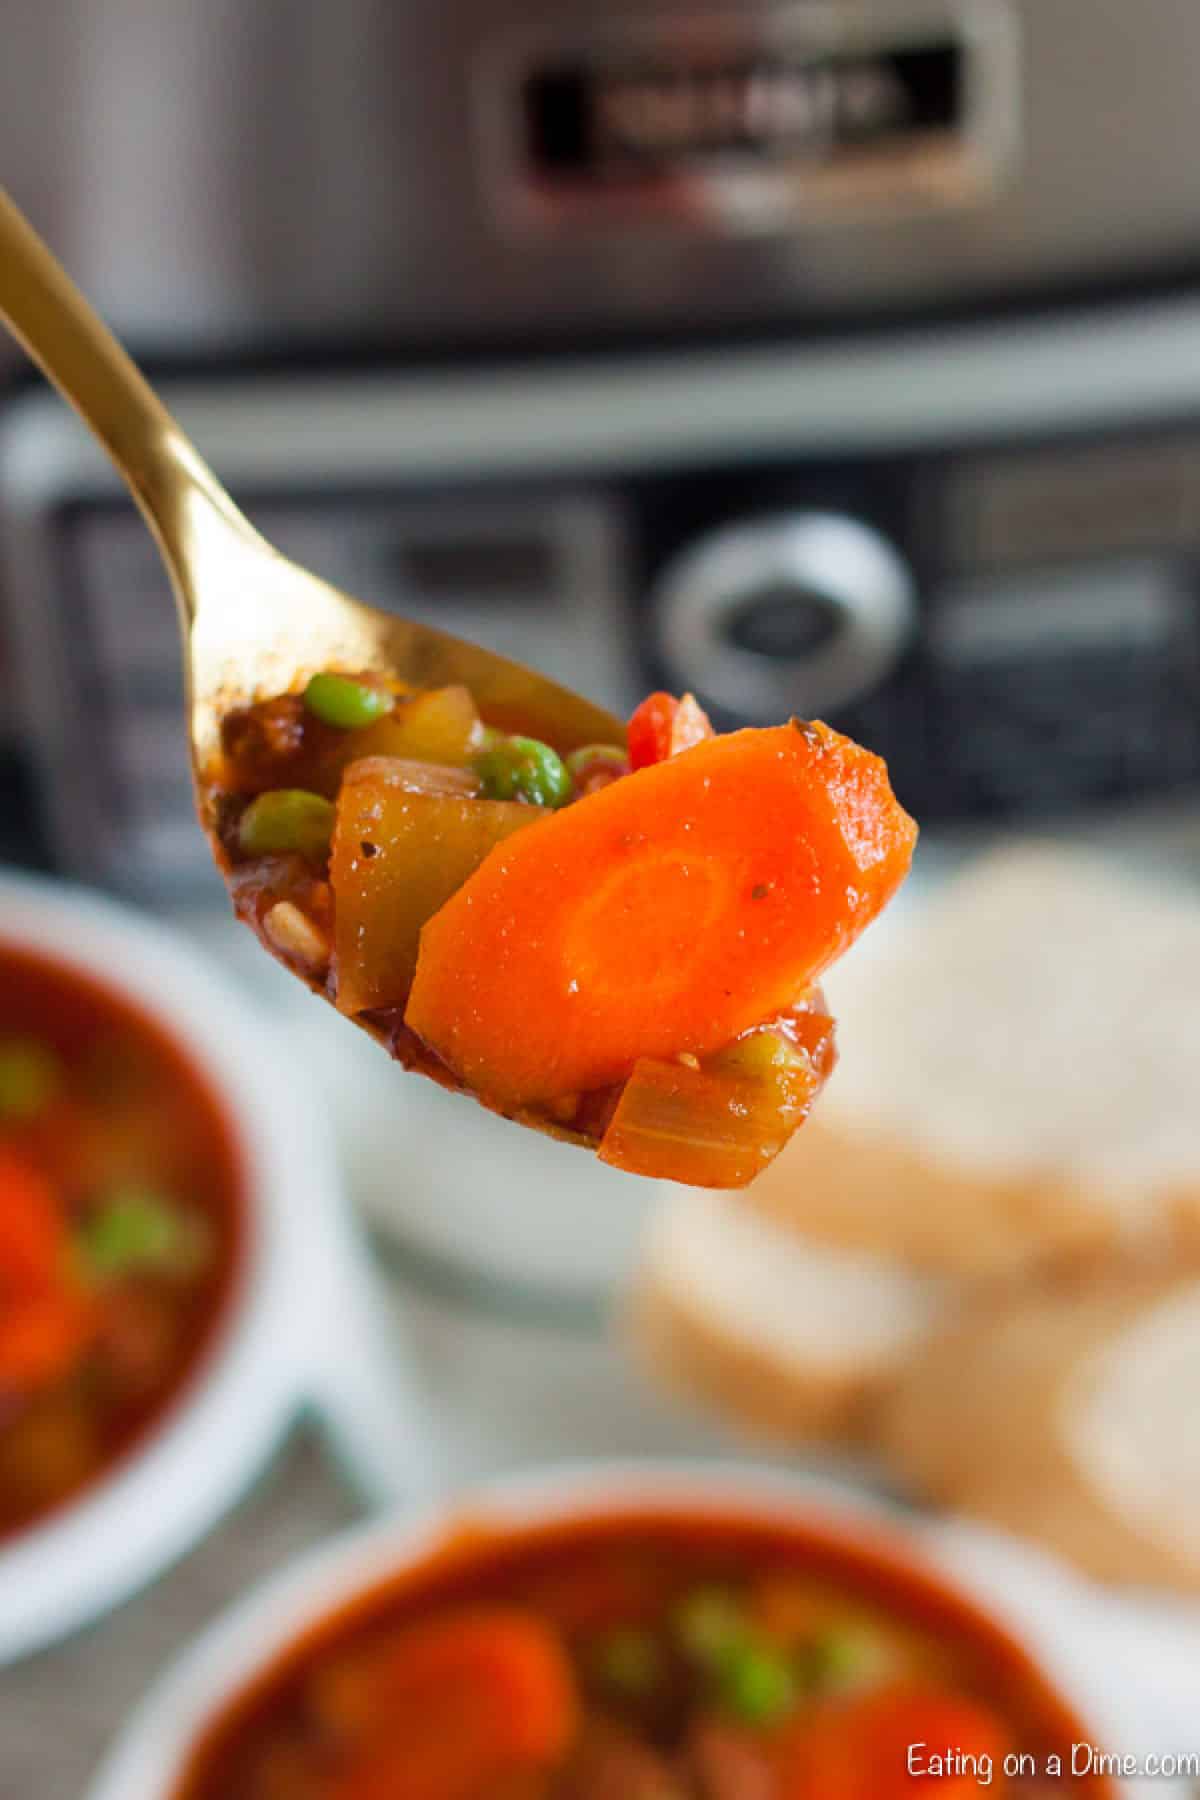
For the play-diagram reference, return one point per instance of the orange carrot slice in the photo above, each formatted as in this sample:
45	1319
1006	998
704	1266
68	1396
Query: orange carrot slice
859	1749
667	913
44	1320
41	1338
31	1229
463	1702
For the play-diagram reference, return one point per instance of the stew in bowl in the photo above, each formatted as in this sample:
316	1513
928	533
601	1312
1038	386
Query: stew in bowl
664	1649
120	1225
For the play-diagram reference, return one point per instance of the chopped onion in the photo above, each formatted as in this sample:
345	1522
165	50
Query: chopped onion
716	1124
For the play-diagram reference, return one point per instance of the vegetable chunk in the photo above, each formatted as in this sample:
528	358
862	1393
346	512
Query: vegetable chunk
398	855
859	1749
670	912
44	1319
720	1125
467	1700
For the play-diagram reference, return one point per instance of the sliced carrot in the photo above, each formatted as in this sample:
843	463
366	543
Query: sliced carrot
882	1745
41	1338
44	1320
464	1702
32	1238
667	913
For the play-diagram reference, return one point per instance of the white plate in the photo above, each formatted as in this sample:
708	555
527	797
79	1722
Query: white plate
302	1329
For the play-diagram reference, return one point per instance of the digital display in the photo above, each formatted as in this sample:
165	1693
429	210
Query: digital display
619	121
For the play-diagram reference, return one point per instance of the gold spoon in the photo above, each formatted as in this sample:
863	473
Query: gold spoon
253	623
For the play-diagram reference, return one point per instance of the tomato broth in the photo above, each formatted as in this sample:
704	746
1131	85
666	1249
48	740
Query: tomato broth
121	1209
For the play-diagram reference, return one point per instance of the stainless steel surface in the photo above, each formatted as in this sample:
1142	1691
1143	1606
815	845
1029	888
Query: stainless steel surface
824	577
723	122
326	171
60	1710
533	507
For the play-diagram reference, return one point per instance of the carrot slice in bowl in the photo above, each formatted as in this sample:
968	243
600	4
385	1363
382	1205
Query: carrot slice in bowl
45	1319
463	1702
892	1741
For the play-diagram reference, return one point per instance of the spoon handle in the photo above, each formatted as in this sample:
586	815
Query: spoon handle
74	348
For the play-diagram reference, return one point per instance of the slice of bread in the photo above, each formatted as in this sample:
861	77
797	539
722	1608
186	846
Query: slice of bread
788	1340
1069	1416
1017	1081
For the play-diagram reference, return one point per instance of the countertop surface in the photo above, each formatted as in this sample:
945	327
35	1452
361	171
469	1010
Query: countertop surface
503	1395
502	1389
59	1710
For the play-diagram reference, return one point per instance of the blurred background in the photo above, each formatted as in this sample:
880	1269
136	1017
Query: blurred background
832	358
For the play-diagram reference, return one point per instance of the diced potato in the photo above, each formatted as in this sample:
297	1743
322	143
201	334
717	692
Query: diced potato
717	1124
417	777
441	726
398	855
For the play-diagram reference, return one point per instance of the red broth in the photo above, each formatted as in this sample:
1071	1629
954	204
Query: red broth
584	1661
121	1202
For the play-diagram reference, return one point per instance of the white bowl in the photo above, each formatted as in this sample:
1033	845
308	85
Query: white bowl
302	1283
148	1760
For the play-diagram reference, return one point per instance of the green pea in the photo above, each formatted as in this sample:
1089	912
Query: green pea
337	700
136	1232
287	819
30	1076
630	1662
848	1657
709	1623
756	1684
521	768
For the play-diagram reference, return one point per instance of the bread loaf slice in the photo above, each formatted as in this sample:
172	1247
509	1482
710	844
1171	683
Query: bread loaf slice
1069	1417
1018	1078
789	1340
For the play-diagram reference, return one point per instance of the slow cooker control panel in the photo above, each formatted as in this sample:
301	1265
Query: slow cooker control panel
801	612
1016	630
1014	625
